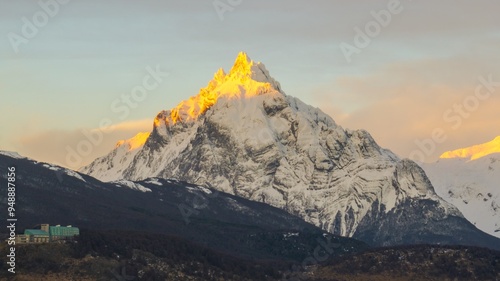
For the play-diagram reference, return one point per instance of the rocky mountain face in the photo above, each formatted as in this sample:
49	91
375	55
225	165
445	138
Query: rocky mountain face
472	185
246	137
197	215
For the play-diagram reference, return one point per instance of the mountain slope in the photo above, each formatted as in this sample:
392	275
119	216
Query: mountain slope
50	194
472	186
245	136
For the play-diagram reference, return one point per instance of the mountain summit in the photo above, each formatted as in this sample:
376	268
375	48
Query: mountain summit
244	70
245	136
246	79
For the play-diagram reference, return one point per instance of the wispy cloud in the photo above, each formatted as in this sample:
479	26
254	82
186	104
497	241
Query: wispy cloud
49	146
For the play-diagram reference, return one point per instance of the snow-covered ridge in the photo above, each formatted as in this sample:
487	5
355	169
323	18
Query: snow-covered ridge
474	152
52	167
11	154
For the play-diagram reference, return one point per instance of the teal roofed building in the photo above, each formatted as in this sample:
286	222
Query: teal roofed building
36	236
59	232
47	234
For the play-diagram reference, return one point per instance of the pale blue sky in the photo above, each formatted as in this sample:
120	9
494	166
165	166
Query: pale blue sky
91	52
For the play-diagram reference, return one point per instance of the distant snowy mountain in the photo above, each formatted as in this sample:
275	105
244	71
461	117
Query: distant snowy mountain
471	183
246	137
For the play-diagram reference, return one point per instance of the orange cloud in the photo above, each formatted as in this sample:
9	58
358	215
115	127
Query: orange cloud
402	104
51	146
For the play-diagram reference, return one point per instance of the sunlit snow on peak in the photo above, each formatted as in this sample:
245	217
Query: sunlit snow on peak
246	79
474	152
136	142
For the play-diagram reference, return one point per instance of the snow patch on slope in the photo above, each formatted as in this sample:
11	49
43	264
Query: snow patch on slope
154	181
68	172
204	189
131	185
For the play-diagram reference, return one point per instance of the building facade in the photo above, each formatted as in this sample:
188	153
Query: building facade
63	232
47	234
36	236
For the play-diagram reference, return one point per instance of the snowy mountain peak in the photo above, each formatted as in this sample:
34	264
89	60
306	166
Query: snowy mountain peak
246	79
219	75
474	152
244	136
242	64
244	68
